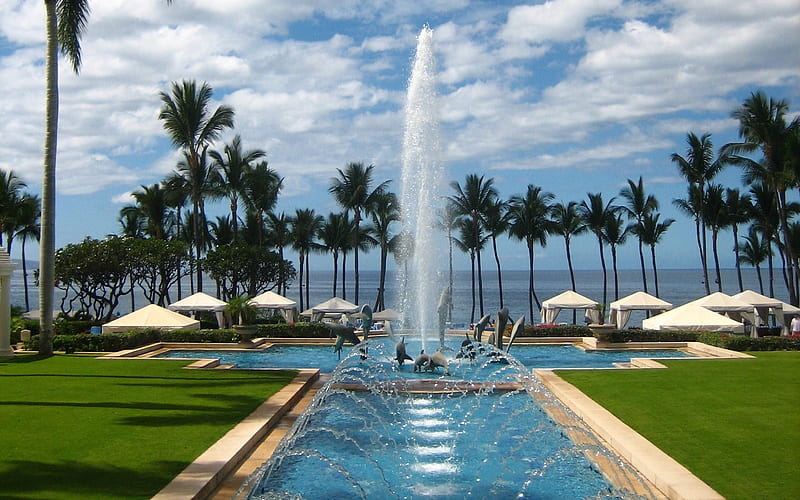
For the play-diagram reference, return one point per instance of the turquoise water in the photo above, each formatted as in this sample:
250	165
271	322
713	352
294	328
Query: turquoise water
323	357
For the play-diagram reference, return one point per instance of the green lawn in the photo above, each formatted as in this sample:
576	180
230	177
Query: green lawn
733	423
77	427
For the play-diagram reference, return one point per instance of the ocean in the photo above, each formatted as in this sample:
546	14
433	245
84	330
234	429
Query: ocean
676	286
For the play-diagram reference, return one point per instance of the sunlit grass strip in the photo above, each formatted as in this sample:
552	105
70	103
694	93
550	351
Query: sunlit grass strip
77	427
734	423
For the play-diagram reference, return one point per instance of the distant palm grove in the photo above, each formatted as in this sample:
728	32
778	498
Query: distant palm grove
243	249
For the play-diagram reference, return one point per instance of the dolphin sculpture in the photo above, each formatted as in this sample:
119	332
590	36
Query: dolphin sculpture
518	326
442	310
401	354
342	333
478	330
467	348
500	327
437	359
365	315
421	362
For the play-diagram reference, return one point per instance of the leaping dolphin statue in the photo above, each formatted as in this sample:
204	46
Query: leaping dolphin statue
343	333
421	363
437	359
467	348
401	354
365	314
518	326
477	332
500	328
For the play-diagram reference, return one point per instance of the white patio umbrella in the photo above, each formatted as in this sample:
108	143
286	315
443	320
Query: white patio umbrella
201	302
620	310
272	300
333	307
567	300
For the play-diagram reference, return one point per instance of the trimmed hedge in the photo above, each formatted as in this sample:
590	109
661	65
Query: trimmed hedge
556	331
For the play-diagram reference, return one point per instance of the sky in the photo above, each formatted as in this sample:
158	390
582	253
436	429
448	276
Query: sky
575	96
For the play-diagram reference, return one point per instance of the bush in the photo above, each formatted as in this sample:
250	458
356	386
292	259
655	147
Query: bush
556	331
297	330
743	343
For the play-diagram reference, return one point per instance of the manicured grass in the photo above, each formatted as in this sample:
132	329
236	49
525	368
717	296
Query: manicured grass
734	423
77	427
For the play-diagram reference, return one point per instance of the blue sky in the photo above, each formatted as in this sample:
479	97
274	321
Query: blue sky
575	96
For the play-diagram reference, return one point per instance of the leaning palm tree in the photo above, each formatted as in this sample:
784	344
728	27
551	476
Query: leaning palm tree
596	215
153	204
693	206
177	194
471	202
529	221
714	215
353	191
753	251
766	219
652	232
447	221
637	205
232	165
28	227
470	244
385	212
191	127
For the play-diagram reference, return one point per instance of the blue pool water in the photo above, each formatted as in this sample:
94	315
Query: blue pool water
323	357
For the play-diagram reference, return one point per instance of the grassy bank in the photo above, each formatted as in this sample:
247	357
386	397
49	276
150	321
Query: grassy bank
77	427
734	423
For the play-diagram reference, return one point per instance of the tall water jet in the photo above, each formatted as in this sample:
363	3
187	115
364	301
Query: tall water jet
422	195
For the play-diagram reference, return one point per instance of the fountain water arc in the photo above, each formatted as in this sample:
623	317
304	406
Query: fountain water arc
377	429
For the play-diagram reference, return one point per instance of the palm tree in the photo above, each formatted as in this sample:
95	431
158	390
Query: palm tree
637	206
352	191
595	215
568	223
305	226
131	223
279	237
615	233
65	23
191	127
699	168
470	244
763	127
222	231
262	185
153	206
10	195
331	235
177	194
472	202
754	251
714	215
495	220
766	219
232	165
385	212
448	221
28	216
652	231
738	208
529	221
693	206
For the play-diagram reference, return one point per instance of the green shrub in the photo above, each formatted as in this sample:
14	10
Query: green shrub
556	331
297	330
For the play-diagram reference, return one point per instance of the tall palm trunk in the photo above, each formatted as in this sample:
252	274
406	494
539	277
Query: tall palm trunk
571	277
25	277
379	301
47	235
499	273
335	271
605	271
655	269
472	276
770	269
702	256
736	253
789	248
531	292
760	280
344	274
301	259
357	217
308	273
714	238
641	261
480	282
614	266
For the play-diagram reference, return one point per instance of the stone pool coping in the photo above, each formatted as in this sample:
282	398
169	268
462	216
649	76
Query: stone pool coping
201	478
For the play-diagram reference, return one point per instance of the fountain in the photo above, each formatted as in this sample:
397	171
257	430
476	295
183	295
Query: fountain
421	197
482	426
